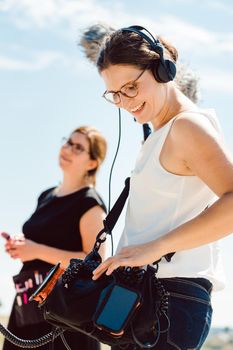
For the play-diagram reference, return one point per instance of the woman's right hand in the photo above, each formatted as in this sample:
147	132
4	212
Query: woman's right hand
8	239
11	241
136	255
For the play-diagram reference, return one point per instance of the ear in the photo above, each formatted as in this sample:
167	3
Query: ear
93	163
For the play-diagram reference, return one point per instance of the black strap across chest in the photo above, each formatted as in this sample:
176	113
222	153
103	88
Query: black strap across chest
115	212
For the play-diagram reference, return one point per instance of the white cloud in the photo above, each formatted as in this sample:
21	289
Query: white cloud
25	12
220	6
79	13
39	61
73	15
194	38
44	13
220	81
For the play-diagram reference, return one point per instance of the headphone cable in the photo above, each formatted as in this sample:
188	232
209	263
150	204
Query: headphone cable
111	170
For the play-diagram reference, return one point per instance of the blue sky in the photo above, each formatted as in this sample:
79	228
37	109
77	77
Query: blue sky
47	88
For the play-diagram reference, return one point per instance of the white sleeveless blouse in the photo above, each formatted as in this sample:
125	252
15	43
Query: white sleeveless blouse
160	201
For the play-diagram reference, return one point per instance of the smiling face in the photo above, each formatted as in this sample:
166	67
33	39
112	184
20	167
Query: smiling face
149	103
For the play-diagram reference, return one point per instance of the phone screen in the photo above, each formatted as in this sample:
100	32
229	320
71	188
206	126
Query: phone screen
117	308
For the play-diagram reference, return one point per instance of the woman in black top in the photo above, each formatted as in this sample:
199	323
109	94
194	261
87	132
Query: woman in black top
63	226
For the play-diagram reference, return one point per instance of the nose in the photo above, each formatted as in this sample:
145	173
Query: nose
124	101
66	145
67	148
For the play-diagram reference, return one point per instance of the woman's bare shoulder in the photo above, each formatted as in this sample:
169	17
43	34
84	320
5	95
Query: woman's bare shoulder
190	125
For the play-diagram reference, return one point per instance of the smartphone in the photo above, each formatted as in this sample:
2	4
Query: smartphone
116	309
5	235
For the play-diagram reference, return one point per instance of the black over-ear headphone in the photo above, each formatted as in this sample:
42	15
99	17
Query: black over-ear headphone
164	70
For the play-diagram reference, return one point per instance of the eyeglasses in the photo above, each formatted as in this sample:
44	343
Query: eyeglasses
76	148
129	90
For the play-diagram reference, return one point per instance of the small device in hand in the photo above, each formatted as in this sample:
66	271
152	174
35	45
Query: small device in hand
5	235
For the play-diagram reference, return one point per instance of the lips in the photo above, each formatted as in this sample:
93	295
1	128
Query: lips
137	109
65	159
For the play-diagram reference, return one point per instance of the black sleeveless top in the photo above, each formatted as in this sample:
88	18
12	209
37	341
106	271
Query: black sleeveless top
55	221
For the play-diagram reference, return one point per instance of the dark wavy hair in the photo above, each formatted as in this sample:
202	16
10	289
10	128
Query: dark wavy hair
93	37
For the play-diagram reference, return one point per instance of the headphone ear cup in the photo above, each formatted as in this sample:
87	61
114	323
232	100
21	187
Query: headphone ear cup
171	69
164	71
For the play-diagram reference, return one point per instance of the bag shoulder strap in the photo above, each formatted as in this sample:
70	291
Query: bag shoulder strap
115	212
112	217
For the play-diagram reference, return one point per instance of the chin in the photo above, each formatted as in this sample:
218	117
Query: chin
142	120
62	163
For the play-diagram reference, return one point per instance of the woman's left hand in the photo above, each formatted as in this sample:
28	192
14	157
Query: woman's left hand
133	256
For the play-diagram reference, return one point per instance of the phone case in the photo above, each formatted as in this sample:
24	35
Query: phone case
47	285
116	309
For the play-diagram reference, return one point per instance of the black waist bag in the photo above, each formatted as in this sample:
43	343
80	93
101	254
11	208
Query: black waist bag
26	282
125	308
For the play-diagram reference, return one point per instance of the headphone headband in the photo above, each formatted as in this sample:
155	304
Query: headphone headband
164	70
155	43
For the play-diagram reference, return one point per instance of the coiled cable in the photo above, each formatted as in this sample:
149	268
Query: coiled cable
29	343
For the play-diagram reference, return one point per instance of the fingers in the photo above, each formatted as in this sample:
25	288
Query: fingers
101	269
128	256
9	246
109	265
19	237
12	245
115	265
13	253
12	248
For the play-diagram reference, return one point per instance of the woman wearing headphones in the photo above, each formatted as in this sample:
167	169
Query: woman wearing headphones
181	190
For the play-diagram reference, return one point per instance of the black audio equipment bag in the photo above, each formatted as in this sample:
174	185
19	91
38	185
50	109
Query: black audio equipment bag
123	308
